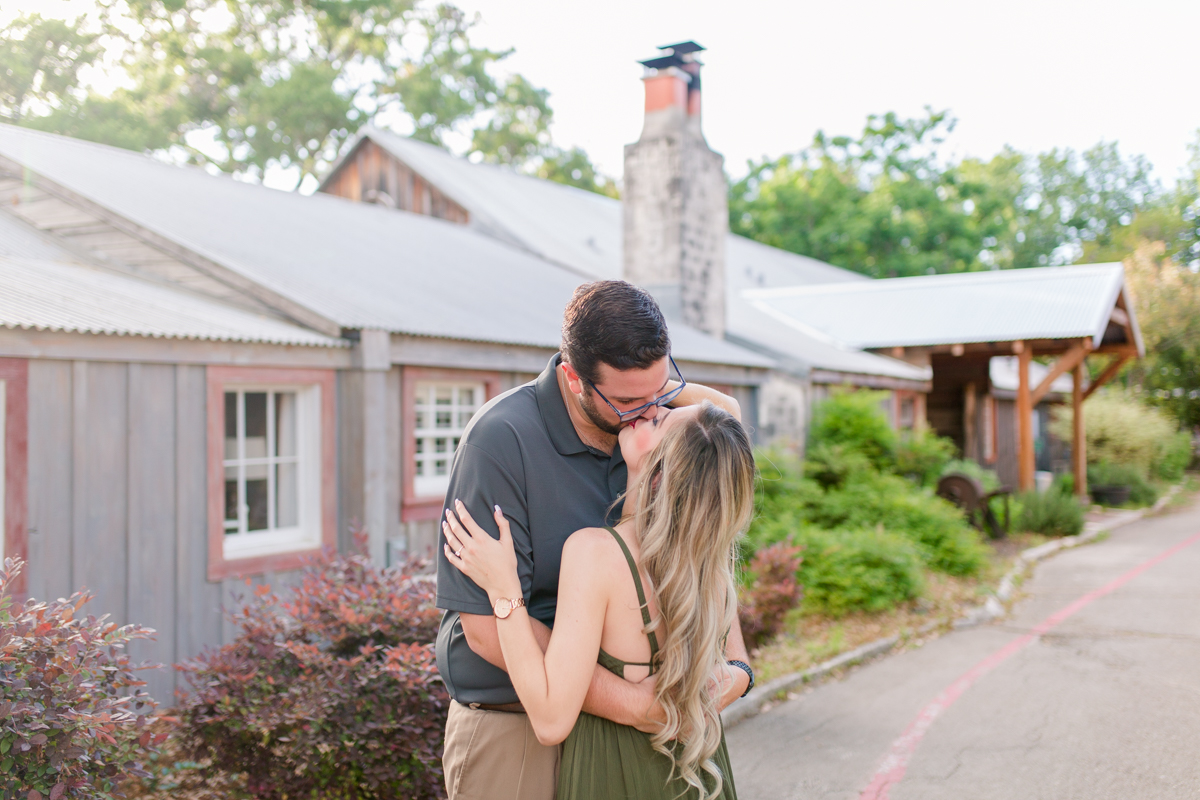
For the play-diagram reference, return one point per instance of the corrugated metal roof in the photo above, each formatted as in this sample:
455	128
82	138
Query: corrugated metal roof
50	295
359	265
583	231
1001	306
17	240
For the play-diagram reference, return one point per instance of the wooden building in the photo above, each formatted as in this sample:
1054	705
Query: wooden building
206	382
959	325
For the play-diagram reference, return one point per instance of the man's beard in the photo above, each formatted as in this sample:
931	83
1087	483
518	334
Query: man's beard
588	404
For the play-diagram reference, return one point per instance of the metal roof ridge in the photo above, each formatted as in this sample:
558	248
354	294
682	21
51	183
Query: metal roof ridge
951	278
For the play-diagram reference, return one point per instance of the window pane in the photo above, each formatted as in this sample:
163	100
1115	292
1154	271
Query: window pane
256	424
422	420
285	424
256	499
443	419
231	500
230	425
443	395
287	496
466	396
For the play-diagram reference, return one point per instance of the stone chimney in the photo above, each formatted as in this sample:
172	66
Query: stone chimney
675	204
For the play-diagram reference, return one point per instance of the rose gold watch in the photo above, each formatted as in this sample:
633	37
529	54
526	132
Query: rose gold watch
503	606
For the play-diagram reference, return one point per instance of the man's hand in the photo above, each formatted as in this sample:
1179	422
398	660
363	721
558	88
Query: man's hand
624	703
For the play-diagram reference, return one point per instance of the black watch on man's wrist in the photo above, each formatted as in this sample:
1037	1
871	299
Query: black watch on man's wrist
744	666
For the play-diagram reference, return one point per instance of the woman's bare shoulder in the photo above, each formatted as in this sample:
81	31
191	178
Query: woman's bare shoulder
590	544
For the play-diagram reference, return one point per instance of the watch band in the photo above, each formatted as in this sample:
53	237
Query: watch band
742	665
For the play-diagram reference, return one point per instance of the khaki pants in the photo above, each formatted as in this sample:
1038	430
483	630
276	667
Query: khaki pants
494	755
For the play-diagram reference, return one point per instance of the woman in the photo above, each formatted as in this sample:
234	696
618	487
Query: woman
690	493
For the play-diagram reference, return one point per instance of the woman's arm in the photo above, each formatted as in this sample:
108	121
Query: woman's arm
694	394
552	686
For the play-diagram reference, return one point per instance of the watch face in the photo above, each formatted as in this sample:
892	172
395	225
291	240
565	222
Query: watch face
503	607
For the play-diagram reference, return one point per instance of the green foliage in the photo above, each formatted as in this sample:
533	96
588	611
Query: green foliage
331	692
855	422
250	85
769	591
1122	430
945	541
73	715
1141	491
887	204
922	456
40	61
857	570
1052	513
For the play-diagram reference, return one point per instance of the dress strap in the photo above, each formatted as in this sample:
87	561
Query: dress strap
641	594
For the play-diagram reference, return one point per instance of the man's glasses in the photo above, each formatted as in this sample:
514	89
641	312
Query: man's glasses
660	402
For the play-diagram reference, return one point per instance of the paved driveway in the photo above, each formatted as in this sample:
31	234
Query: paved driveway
1100	702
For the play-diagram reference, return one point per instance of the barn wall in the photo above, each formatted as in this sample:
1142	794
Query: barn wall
118	503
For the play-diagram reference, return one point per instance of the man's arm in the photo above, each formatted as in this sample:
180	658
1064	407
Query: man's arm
608	696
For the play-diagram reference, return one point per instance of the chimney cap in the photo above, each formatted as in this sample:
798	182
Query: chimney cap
682	48
662	62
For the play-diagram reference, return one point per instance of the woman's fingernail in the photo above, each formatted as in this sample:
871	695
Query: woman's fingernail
497	509
457	502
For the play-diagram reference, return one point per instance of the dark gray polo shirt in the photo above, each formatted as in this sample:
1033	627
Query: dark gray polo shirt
520	452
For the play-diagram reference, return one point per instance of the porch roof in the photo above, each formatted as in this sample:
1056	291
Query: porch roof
1048	303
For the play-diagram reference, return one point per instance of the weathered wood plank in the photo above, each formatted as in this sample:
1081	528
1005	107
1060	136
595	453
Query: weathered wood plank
100	452
198	602
50	479
150	590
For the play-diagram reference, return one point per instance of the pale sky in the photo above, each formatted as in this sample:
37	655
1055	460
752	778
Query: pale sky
1030	73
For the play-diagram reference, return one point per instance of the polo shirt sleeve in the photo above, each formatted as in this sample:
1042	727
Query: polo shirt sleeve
480	481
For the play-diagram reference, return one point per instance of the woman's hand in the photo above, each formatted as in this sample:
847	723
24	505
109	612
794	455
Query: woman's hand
491	563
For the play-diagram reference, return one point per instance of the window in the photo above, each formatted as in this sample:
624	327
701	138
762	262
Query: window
272	475
443	410
265	464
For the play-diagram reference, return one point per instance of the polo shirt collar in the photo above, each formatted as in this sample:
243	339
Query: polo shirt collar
555	416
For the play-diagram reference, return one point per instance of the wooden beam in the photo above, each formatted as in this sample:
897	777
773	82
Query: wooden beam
1025	455
1079	438
970	437
1109	372
1069	360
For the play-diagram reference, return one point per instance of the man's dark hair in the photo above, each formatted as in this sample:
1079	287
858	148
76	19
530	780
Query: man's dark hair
614	323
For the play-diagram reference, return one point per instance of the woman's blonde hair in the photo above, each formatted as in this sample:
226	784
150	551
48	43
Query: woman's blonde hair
695	496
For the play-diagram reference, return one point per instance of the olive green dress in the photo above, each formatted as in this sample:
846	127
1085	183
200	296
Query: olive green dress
602	760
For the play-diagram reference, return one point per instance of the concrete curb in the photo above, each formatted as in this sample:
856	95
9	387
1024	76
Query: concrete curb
758	699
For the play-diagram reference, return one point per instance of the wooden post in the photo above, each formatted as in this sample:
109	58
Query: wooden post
1079	440
920	422
970	436
1025	455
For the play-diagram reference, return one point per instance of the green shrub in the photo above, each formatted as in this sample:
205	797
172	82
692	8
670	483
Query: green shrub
74	720
331	691
855	421
1173	457
1051	513
1124	431
1141	491
945	540
832	465
923	456
846	571
972	469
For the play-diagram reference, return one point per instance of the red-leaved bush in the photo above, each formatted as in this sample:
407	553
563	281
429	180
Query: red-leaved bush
771	594
330	690
73	716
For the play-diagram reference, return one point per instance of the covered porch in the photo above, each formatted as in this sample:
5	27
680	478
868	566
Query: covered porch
1053	322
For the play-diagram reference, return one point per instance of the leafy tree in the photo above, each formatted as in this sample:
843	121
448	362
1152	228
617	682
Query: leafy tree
886	205
40	61
246	85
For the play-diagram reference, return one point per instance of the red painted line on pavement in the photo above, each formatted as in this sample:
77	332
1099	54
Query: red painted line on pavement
891	770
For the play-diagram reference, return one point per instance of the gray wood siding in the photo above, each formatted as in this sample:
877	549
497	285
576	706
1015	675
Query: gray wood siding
118	503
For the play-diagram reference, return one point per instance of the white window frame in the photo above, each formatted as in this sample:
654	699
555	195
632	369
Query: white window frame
436	485
307	534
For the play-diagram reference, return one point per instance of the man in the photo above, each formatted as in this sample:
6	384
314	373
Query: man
547	453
